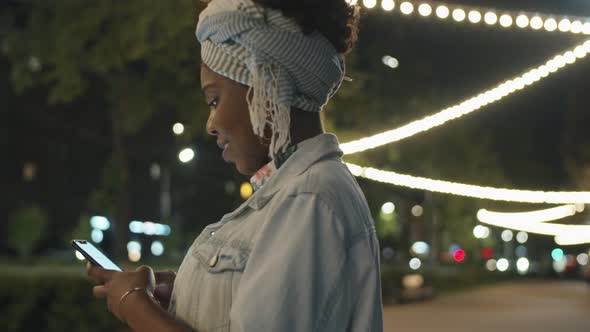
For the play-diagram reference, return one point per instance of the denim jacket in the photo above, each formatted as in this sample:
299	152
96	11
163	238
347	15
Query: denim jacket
301	254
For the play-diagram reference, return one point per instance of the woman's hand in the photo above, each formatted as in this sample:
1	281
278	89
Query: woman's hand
164	285
115	284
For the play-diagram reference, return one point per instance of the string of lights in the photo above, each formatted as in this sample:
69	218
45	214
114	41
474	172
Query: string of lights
544	215
472	104
563	234
533	221
484	16
468	190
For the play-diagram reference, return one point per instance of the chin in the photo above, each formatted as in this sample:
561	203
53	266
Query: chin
244	169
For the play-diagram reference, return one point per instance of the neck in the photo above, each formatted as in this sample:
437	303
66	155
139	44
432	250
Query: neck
305	125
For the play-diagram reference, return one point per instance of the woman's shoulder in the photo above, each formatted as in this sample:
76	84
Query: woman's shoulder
331	183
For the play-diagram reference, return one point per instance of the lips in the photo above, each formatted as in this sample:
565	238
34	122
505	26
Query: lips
224	146
224	154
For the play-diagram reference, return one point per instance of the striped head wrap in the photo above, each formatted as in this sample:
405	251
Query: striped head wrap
268	52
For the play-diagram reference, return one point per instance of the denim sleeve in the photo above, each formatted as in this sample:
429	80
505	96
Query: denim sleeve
294	278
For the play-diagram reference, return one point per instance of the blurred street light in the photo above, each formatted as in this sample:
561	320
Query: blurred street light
481	232
178	128
390	61
522	237
186	155
557	254
97	236
29	171
491	265
246	190
415	263
503	264
522	265
388	208
582	259
79	256
507	235
100	222
417	210
155	171
157	248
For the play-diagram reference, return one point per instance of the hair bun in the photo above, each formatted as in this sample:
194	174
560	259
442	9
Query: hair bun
335	19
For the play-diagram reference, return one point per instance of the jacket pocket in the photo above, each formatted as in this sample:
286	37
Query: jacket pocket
222	268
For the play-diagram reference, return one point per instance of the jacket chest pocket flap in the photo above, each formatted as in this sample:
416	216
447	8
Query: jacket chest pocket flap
221	259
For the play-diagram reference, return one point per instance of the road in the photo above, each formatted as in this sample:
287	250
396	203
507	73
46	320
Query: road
523	306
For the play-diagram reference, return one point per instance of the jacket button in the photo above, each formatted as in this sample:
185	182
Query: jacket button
213	261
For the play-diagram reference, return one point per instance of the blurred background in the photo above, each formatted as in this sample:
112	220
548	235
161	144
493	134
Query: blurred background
479	185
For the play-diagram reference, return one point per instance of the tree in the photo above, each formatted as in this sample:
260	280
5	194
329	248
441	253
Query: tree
137	53
26	230
82	230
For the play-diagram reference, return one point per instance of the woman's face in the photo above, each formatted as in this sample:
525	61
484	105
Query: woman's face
229	121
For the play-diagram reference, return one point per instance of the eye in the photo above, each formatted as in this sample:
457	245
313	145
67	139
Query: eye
213	103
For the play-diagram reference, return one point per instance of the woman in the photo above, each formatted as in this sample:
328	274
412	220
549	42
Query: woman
301	254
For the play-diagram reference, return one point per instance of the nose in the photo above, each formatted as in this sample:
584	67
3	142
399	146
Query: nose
211	125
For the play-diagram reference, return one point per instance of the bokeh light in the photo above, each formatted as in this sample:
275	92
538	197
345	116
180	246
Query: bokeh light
246	190
522	237
178	128
502	265
388	208
507	235
157	248
459	15
415	263
425	9
186	155
491	265
406	8
388	5
442	12
490	18
522	265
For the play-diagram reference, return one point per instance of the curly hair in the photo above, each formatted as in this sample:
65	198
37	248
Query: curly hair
335	19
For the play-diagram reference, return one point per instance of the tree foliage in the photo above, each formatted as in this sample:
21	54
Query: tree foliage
27	229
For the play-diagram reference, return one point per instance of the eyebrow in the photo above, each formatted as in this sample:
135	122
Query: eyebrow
207	86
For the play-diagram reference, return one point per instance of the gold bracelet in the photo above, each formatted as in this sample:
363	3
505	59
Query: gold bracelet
124	296
127	293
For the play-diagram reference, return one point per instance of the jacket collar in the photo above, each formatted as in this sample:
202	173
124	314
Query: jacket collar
308	153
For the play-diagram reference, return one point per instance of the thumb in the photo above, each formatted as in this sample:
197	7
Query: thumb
99	292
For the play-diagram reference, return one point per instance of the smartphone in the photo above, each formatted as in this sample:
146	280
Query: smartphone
94	256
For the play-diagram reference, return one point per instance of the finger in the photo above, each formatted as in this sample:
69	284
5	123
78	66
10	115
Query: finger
99	274
100	292
163	292
148	273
